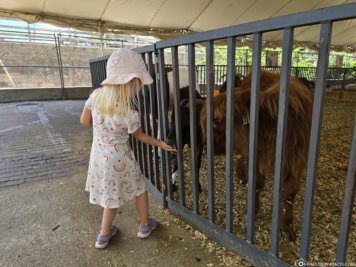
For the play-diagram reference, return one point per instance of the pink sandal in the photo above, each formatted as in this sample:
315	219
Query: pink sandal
105	238
146	230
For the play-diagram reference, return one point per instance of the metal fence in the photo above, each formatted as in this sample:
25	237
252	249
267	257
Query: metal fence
159	169
42	59
337	78
38	58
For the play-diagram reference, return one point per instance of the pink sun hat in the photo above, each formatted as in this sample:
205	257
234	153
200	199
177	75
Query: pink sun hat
124	65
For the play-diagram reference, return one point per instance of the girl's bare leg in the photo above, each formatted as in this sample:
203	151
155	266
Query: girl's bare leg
142	208
108	218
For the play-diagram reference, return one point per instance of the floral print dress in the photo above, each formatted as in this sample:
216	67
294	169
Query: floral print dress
114	177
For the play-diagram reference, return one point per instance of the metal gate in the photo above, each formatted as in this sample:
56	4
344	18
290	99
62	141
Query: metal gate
157	168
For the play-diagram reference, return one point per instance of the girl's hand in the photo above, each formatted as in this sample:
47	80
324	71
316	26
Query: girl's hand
152	141
166	147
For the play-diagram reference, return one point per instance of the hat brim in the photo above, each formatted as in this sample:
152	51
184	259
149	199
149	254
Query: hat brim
144	77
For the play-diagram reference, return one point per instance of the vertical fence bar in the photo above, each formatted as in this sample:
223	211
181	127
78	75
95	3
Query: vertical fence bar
102	68
139	143
349	199
96	81
60	66
148	128
137	146
222	72
131	138
209	127
160	126
204	80
325	38
143	152
230	97
154	108
93	74
178	124
193	126
281	136
100	77
164	112
198	75
254	110
218	75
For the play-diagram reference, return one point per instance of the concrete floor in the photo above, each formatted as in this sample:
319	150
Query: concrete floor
40	141
54	225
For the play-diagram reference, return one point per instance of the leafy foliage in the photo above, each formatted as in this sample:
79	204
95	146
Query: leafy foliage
302	57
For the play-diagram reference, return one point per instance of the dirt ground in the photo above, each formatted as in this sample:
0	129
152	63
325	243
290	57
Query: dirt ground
338	123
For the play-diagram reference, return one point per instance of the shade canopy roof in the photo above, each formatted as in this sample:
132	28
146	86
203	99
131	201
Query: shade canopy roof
167	19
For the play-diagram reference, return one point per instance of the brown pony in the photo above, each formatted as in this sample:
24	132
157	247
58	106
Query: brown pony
297	135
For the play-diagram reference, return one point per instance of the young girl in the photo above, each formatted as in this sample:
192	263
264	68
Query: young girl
114	177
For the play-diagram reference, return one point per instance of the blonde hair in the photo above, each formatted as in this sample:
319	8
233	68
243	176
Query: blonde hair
117	99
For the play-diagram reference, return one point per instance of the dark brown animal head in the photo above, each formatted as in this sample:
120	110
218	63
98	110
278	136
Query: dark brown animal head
238	78
185	123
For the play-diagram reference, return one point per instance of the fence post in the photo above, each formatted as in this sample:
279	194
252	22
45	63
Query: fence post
60	66
230	93
254	112
159	78
322	68
281	137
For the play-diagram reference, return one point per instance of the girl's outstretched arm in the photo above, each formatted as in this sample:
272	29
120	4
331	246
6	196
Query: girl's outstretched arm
151	141
86	118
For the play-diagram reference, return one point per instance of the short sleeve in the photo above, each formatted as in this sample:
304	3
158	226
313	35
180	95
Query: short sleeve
133	121
88	103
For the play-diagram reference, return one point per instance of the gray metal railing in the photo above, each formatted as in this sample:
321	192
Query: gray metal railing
161	185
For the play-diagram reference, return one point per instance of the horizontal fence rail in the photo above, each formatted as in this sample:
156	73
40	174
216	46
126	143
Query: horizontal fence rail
209	77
